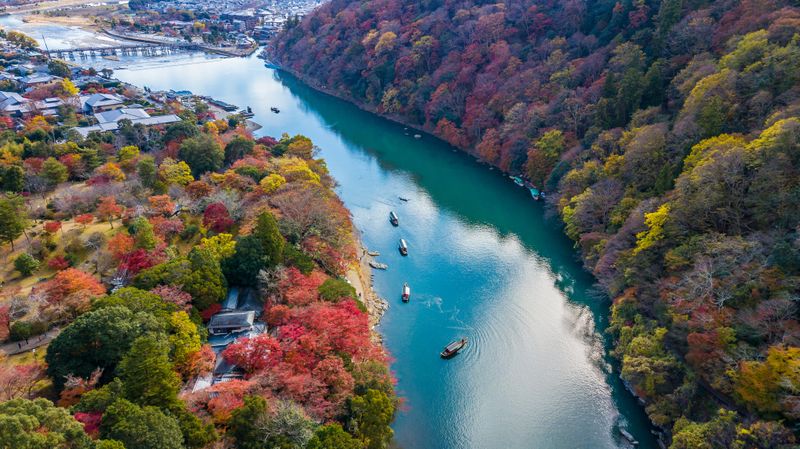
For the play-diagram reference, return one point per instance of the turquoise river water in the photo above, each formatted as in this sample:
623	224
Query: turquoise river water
484	263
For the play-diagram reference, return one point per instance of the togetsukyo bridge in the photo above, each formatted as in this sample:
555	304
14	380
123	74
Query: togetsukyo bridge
130	50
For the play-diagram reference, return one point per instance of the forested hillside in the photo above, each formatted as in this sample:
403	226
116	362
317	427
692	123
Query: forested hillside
177	286
669	135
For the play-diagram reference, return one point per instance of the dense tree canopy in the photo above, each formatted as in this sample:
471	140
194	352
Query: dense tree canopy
667	136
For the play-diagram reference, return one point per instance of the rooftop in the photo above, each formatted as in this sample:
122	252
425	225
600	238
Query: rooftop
121	114
232	320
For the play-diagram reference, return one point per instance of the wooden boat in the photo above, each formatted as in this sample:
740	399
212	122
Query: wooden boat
453	348
275	110
535	193
393	219
247	113
517	180
378	265
625	434
403	247
406	292
373	253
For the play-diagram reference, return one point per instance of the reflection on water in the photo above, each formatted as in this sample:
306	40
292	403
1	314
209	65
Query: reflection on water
484	263
57	37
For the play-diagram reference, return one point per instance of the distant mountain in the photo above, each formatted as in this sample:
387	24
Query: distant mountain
668	133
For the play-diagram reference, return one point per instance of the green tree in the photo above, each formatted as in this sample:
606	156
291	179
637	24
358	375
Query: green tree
332	436
202	153
38	424
140	427
205	283
369	418
12	218
266	230
237	148
137	300
109	444
26	264
243	425
335	290
242	268
180	130
148	174
147	374
110	330
719	433
54	172
143	234
196	434
13	179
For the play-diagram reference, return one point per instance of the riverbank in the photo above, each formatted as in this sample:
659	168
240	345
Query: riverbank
73	21
158	40
360	277
311	83
485	264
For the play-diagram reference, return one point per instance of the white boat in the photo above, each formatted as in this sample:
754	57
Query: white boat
378	265
403	247
406	292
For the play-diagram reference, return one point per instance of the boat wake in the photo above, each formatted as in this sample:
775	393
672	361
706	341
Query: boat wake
436	303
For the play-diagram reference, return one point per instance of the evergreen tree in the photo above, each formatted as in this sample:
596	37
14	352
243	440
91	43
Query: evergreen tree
140	427
266	230
38	424
54	172
147	374
202	153
12	219
26	264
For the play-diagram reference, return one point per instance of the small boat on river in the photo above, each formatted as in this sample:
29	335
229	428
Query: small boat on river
406	292
453	348
403	199
403	247
378	265
247	112
373	253
393	219
535	193
275	110
517	180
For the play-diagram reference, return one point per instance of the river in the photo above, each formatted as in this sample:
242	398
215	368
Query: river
483	262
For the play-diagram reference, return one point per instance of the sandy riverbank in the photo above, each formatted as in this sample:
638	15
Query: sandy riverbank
86	23
43	6
360	277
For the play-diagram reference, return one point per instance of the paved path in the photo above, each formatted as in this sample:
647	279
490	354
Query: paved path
32	343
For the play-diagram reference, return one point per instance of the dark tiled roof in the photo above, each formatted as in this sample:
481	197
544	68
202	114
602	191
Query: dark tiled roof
232	319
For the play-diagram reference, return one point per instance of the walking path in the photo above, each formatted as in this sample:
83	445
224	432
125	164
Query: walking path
19	347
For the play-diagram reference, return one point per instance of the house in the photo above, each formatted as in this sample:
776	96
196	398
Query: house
115	115
230	322
48	106
92	104
38	80
109	120
14	104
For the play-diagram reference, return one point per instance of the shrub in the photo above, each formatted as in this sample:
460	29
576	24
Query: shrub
26	264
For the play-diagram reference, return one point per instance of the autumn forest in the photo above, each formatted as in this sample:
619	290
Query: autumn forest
667	135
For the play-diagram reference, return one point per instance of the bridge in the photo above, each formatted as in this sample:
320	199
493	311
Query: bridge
120	50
